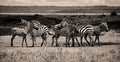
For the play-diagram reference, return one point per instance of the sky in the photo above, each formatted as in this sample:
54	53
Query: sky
59	2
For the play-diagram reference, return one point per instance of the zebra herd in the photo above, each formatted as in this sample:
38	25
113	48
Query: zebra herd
70	31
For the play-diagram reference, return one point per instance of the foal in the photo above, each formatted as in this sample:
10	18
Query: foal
42	32
67	31
97	31
21	31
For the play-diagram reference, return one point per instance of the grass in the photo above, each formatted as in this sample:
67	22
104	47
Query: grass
61	54
109	52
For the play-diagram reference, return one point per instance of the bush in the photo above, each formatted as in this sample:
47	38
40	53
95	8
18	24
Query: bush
113	13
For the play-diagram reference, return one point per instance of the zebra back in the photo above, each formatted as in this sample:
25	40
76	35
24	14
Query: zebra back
44	28
83	29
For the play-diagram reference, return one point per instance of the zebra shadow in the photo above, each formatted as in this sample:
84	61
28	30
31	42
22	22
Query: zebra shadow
19	46
96	44
108	43
75	45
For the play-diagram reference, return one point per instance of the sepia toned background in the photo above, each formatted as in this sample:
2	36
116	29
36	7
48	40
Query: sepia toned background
60	2
51	12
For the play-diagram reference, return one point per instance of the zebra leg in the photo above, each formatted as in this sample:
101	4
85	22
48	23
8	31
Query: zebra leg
68	37
66	41
69	40
95	39
91	40
86	39
44	39
98	40
73	42
81	40
53	40
33	40
77	41
23	41
57	40
13	36
26	41
42	42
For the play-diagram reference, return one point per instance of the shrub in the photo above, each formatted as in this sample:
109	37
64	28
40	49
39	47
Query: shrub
113	13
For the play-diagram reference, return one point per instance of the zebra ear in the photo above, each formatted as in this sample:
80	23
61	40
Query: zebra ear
21	19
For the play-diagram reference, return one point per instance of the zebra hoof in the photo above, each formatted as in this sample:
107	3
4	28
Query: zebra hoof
78	44
72	46
66	45
41	45
82	45
92	45
88	43
99	45
12	46
32	46
51	45
57	45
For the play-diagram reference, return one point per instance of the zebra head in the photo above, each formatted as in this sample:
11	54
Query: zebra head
57	26
23	21
64	23
104	27
34	24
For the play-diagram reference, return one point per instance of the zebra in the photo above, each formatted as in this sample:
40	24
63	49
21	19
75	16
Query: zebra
16	31
84	31
66	30
43	32
98	29
90	30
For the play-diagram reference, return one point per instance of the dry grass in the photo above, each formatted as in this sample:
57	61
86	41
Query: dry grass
109	51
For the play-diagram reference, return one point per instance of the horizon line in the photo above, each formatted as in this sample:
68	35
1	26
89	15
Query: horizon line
61	6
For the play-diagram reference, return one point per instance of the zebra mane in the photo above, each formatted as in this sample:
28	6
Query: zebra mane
35	21
103	26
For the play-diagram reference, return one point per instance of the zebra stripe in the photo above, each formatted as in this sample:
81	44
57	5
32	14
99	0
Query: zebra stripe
43	27
84	28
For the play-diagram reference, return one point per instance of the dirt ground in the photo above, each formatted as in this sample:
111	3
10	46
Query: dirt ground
109	51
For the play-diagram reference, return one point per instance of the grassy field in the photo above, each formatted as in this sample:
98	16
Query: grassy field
109	51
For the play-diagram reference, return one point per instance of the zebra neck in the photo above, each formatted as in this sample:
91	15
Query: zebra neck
40	25
101	28
27	27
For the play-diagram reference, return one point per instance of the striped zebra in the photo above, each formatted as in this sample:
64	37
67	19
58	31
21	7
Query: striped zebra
103	27
22	31
42	32
89	30
66	30
84	31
